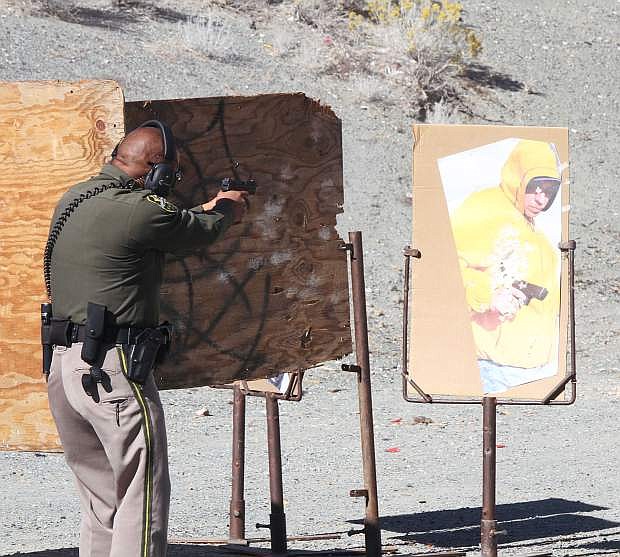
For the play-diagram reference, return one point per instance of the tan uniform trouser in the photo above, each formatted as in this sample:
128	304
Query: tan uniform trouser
117	450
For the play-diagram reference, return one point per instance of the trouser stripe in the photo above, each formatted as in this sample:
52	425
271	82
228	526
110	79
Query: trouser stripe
148	477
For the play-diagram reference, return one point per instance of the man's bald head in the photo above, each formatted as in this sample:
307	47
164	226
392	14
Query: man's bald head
139	150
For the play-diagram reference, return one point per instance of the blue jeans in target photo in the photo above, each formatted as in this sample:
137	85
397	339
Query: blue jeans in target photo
497	378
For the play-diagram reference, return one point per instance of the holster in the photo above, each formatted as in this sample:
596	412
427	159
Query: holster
95	328
166	330
142	355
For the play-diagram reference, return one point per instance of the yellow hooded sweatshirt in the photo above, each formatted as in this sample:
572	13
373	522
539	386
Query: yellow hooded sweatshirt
498	246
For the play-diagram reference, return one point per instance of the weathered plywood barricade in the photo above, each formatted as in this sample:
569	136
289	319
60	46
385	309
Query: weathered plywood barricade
54	134
271	297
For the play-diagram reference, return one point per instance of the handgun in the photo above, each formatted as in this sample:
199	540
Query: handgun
530	290
232	184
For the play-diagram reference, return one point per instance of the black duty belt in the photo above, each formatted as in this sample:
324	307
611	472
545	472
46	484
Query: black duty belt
65	333
116	335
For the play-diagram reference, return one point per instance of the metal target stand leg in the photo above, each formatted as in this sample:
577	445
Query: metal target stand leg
372	530
277	518
488	524
237	501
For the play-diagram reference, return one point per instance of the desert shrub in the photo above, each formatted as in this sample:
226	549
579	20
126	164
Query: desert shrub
207	34
370	88
424	20
425	40
443	113
282	41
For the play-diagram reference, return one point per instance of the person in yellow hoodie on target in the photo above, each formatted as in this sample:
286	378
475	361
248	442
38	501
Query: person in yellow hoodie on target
510	269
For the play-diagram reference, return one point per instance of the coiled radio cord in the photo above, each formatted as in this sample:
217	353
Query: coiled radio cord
61	221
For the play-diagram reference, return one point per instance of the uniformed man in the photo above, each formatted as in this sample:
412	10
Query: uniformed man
104	263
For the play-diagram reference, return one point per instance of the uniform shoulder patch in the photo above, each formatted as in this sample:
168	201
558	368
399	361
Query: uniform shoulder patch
163	204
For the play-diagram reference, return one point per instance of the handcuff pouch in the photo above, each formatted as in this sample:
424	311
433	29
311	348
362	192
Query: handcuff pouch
95	328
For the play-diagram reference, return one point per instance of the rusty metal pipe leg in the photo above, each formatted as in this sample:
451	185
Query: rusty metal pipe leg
488	524
237	501
372	529
277	518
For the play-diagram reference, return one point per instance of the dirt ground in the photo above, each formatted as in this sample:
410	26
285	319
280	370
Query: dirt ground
550	63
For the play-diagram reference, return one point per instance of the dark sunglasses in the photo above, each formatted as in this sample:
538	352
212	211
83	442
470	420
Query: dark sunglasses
544	184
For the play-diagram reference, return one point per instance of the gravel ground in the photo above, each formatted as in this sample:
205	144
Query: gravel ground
551	62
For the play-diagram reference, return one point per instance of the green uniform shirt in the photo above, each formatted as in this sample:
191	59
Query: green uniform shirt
111	248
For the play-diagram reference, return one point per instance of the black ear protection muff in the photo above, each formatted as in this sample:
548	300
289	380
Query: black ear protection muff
162	176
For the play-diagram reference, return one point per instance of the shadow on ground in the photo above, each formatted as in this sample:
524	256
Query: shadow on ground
484	76
527	525
531	520
124	12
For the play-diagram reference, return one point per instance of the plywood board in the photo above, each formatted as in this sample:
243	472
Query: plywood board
272	296
446	350
54	134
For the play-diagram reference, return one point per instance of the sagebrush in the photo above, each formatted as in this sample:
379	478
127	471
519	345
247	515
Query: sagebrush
417	46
